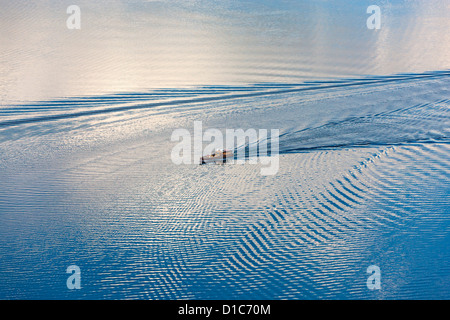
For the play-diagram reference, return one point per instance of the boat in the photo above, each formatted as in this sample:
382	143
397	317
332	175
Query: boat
218	156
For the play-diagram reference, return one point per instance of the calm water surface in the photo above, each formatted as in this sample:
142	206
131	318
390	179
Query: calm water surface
86	176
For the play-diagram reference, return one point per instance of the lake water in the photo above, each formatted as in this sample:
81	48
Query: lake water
87	178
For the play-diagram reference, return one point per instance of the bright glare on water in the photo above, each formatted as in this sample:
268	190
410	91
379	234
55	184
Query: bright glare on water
87	178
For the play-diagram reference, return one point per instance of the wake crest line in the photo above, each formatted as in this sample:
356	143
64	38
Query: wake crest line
387	79
292	150
445	140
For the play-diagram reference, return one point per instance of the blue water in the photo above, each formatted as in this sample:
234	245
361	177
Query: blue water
86	176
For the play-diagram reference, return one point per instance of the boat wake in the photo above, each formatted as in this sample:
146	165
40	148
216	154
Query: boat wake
425	123
384	110
22	113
